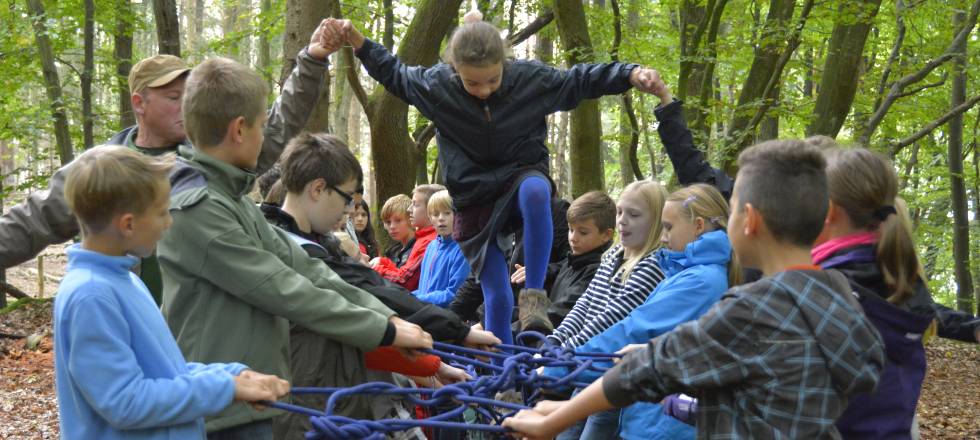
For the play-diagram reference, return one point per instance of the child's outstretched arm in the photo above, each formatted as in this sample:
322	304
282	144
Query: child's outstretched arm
547	419
408	83
565	89
103	366
688	161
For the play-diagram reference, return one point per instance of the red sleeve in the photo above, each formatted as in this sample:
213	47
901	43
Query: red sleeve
391	360
408	275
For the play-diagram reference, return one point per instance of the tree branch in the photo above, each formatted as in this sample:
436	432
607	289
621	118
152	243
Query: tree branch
896	147
532	28
896	51
899	86
423	136
354	79
921	88
777	73
9	289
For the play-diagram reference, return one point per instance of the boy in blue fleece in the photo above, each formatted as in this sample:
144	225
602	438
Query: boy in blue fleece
119	372
444	268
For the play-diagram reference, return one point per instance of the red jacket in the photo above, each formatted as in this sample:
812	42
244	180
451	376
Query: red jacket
408	275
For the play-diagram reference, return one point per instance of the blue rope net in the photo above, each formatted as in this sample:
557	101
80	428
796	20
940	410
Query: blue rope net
514	367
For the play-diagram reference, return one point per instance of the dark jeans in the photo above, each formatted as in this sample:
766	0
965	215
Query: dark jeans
252	431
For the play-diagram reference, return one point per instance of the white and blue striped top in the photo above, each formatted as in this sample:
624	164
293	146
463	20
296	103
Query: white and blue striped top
607	300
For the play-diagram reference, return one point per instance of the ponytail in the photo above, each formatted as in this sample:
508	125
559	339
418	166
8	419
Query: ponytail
864	184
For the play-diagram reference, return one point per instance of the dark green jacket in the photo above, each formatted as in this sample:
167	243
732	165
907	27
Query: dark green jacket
232	282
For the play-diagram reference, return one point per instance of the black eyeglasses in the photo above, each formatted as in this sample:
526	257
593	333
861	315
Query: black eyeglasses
348	197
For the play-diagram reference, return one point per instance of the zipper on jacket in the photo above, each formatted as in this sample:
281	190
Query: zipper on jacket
486	111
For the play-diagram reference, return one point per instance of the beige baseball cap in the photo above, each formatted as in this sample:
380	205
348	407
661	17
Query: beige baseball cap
156	71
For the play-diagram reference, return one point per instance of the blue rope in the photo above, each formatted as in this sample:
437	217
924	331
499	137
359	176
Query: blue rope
517	370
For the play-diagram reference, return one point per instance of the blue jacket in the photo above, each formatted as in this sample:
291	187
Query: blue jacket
444	269
119	372
696	279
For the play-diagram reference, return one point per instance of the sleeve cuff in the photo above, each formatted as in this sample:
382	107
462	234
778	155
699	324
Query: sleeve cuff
389	337
305	55
368	43
669	109
613	389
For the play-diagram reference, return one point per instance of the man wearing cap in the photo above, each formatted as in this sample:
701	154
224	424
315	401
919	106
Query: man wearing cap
156	87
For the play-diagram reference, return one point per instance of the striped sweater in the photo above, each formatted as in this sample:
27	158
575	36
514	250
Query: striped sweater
607	300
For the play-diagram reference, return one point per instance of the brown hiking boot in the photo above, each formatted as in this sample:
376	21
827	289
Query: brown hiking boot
533	311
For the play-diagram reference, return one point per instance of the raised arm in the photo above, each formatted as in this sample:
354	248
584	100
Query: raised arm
292	109
689	162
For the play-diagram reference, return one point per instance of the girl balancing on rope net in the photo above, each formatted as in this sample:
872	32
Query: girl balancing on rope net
490	114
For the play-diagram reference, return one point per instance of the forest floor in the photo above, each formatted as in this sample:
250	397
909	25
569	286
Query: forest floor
949	407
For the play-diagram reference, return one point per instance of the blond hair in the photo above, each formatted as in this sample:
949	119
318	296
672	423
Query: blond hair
864	184
397	204
654	194
428	190
704	201
218	91
440	201
110	180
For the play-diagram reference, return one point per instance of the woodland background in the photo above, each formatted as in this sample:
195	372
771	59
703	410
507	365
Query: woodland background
897	75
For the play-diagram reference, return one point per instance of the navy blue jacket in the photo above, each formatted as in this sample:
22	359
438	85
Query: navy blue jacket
888	411
484	144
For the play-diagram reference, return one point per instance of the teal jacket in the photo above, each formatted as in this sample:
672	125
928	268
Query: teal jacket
232	282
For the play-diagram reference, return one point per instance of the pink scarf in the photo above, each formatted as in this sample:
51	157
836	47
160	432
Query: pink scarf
828	248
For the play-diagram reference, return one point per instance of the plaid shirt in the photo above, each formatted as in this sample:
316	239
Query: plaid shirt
773	359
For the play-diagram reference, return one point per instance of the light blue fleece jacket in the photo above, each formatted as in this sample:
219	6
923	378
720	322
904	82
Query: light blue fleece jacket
696	279
119	372
444	269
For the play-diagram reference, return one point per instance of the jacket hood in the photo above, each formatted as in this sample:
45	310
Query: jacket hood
710	248
900	326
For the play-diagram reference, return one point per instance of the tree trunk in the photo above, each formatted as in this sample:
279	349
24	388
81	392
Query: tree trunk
699	21
561	161
88	69
586	126
342	93
52	82
775	32
168	26
265	47
199	13
769	128
392	149
839	82
961	225
122	52
388	37
230	13
4	157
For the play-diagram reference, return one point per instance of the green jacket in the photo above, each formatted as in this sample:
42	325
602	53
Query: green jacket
232	282
44	219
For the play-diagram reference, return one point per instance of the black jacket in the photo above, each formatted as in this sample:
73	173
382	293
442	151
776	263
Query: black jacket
442	324
483	145
689	162
569	279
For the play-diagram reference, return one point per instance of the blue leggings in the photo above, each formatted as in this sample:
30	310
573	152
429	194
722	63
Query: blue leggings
534	204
